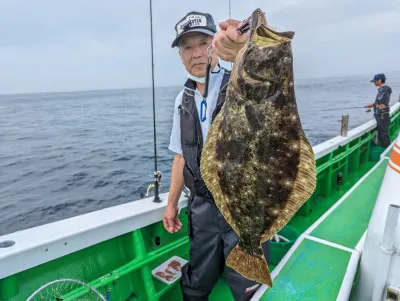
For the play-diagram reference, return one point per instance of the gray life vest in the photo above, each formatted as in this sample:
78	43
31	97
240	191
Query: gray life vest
383	97
192	138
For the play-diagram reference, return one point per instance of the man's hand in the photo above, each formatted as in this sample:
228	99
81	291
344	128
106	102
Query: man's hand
369	106
381	106
228	42
171	221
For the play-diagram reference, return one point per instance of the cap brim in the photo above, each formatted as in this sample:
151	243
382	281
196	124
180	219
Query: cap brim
372	80
202	30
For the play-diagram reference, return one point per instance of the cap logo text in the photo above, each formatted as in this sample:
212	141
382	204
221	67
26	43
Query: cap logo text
191	21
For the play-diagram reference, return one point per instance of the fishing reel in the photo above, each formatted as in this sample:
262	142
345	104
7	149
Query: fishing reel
157	181
147	194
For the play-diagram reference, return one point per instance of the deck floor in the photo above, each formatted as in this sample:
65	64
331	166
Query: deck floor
348	222
314	272
316	268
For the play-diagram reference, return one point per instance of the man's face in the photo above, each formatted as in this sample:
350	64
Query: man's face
378	83
193	49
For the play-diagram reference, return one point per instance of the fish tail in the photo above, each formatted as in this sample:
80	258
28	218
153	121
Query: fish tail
253	266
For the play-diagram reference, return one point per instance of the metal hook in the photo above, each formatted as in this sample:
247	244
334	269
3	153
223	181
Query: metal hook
245	25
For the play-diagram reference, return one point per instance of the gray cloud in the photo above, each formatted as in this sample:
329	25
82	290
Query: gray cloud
72	45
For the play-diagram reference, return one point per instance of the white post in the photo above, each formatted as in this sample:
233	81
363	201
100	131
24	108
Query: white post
386	253
344	125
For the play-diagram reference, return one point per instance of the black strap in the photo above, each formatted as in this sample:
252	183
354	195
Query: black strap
222	92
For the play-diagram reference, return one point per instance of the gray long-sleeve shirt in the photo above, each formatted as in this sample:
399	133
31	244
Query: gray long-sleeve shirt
382	98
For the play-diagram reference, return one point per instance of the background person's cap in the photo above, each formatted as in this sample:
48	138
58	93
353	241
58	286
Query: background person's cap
194	22
378	77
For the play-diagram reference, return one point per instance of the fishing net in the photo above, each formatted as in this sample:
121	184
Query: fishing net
68	290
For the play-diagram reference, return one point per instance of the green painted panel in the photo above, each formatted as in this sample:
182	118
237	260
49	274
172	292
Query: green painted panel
84	265
314	272
348	222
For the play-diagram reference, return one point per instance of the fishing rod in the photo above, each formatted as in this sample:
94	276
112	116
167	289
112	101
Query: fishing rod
346	108
157	174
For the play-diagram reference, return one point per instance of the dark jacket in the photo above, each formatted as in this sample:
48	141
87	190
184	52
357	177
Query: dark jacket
383	97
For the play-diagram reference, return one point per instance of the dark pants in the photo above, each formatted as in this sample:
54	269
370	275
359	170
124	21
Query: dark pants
211	240
383	122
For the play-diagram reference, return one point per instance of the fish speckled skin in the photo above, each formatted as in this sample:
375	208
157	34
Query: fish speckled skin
256	161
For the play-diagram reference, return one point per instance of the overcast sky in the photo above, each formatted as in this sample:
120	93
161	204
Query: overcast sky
51	45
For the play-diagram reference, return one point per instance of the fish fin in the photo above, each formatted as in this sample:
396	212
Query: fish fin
209	171
303	188
253	266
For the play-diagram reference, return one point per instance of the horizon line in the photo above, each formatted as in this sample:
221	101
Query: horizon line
168	86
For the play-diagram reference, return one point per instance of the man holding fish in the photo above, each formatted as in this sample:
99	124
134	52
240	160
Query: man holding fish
211	238
232	135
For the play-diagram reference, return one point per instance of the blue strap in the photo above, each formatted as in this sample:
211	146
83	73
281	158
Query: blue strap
203	112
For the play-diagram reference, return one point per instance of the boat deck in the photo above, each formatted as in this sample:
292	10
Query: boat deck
329	250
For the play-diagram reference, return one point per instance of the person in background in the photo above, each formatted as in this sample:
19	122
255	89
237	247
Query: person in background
211	238
382	109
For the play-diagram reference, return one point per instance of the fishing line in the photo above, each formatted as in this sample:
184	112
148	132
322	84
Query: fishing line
346	108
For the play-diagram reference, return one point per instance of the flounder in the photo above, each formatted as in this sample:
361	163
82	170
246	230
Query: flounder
257	161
